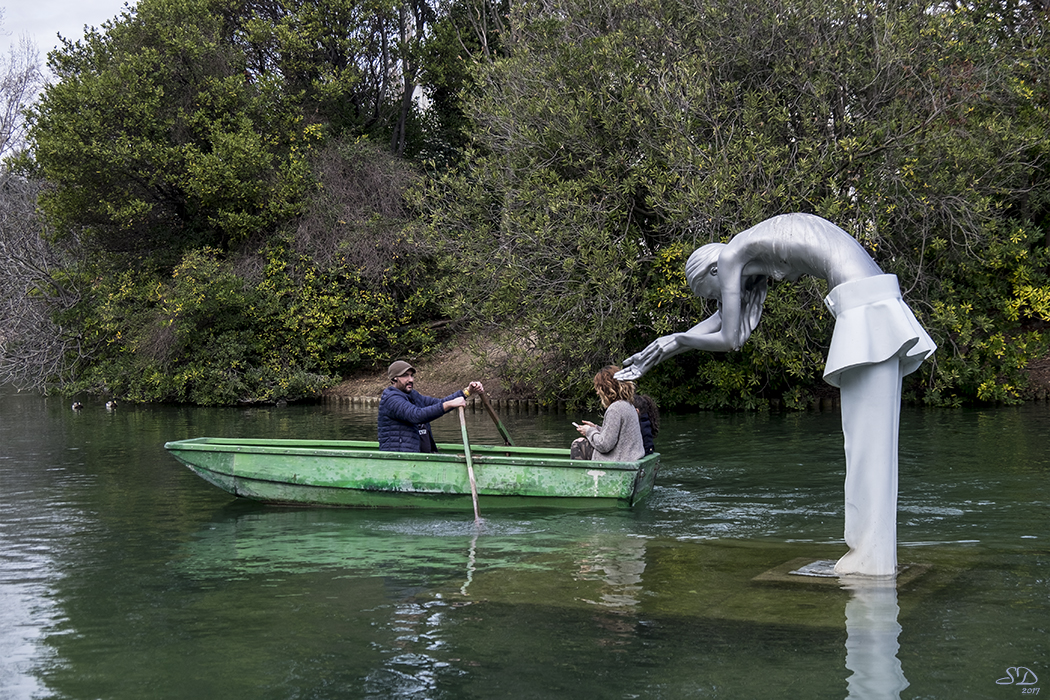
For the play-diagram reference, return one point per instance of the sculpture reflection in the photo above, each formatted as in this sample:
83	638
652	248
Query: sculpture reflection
872	631
875	343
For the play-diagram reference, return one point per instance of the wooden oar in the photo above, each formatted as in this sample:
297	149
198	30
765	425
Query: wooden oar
495	419
470	464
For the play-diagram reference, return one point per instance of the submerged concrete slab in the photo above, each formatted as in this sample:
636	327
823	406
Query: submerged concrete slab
821	572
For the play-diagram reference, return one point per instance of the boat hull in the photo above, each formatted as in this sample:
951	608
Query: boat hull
354	473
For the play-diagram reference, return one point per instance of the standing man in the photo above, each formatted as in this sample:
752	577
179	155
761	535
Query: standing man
405	414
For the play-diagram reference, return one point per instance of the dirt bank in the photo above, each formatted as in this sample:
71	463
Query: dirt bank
439	374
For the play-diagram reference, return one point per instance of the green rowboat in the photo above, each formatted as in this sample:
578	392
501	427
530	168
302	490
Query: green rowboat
356	473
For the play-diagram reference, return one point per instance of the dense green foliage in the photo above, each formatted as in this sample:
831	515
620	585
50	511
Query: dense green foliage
280	321
611	136
250	202
205	159
156	141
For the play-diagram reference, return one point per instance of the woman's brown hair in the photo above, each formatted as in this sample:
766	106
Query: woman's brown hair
610	388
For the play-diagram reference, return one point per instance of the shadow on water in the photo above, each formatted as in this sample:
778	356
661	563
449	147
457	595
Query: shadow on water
123	575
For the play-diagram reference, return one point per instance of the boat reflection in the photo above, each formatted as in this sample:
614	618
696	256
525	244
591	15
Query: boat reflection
248	539
872	632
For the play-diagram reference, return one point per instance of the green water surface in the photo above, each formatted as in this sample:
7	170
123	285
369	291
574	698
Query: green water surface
123	575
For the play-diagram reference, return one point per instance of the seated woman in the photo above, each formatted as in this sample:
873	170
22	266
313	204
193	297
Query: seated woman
619	437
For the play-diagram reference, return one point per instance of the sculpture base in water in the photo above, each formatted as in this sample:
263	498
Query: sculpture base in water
806	570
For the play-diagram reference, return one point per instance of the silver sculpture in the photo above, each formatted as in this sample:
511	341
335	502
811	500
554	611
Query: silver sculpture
876	341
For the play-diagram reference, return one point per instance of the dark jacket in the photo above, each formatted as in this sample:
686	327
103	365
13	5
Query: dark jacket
648	420
647	433
404	420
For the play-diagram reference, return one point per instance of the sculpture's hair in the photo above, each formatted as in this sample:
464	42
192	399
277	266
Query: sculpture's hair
610	388
700	260
753	287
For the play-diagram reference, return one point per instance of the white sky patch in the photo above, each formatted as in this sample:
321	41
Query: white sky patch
44	20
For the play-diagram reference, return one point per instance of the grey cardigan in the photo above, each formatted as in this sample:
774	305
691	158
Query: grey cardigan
619	437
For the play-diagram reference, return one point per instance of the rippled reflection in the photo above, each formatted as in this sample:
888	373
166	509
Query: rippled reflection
38	525
413	664
872	631
617	563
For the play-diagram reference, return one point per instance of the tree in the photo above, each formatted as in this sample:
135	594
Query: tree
464	33
21	78
233	231
343	288
36	349
353	65
34	288
155	140
614	138
190	122
547	210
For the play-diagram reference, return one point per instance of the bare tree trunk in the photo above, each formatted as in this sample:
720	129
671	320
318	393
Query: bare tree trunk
21	78
34	351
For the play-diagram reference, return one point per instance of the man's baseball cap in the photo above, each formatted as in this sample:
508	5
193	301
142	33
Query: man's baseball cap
398	369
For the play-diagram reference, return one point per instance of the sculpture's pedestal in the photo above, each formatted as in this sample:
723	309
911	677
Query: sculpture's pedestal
806	570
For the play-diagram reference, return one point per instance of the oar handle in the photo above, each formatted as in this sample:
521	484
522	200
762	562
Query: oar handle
495	419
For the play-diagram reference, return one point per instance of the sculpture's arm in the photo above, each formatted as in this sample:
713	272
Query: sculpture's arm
733	331
727	329
667	346
719	339
742	298
741	312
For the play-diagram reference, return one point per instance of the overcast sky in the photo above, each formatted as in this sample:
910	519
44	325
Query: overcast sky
44	20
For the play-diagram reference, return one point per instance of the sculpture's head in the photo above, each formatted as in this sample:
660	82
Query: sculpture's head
611	389
701	271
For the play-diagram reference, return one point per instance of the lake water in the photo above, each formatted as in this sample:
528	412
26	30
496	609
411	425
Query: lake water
123	575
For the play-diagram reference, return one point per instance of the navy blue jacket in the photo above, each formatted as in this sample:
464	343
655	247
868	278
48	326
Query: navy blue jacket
404	420
647	433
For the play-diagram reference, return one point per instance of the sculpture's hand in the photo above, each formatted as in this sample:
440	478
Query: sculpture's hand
629	374
641	362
